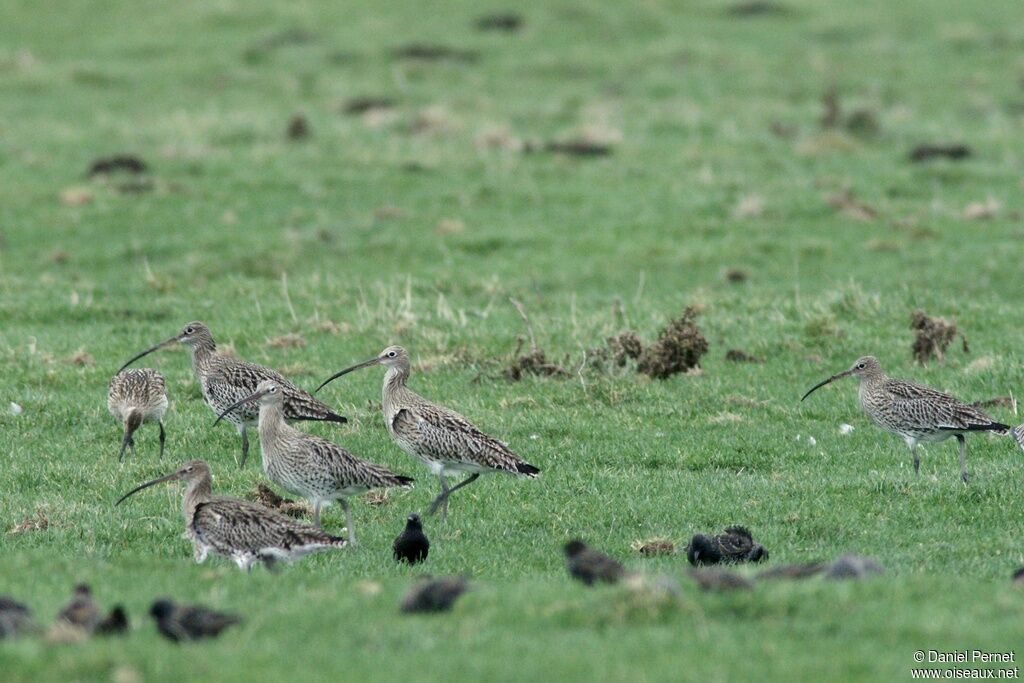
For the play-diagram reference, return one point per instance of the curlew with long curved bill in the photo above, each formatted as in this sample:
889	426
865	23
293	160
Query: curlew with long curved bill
225	381
445	441
913	411
308	466
136	396
244	532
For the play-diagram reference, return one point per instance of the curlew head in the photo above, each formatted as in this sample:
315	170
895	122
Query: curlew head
190	471
391	357
194	334
268	392
864	367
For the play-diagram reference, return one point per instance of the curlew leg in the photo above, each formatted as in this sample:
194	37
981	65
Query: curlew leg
917	460
963	458
316	513
124	445
163	437
131	445
348	521
245	444
445	492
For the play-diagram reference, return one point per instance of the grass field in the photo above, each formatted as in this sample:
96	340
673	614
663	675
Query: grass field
416	223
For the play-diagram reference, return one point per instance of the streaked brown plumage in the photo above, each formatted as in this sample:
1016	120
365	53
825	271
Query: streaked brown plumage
441	438
913	411
82	611
308	466
225	381
136	396
237	529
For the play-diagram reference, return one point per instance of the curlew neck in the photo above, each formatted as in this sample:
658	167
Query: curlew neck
200	490
270	424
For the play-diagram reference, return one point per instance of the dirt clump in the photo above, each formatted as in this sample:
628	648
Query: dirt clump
927	152
933	336
508	22
264	495
677	349
738	356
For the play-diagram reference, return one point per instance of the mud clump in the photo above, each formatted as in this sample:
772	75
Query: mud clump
677	349
927	152
120	163
507	22
428	52
298	127
624	347
933	336
738	356
579	147
265	496
533	363
654	547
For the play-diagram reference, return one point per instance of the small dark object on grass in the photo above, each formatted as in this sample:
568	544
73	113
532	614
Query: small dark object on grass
863	123
677	349
82	611
298	127
433	53
625	346
754	8
736	275
15	619
718	579
792	571
124	163
933	336
115	623
927	152
189	622
535	362
831	111
854	567
434	595
1018	580
735	544
412	545
588	565
579	147
653	547
361	105
264	495
499	21
737	356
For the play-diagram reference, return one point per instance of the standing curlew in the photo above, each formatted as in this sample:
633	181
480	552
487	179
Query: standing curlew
136	396
307	465
242	531
225	381
914	411
444	440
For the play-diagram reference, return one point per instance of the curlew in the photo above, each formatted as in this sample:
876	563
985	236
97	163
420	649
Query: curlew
308	466
444	440
237	529
136	396
189	622
589	565
913	411
225	381
412	545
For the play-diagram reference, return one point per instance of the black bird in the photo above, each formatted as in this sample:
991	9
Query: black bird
189	622
412	545
115	623
82	611
15	618
734	545
588	565
434	595
793	571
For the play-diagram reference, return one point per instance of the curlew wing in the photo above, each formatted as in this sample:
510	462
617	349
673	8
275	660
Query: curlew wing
348	470
445	436
231	526
236	379
922	407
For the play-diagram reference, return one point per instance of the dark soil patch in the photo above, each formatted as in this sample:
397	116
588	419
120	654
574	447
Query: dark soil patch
927	152
508	22
933	336
736	275
267	497
677	349
361	105
579	147
536	361
298	127
119	163
429	52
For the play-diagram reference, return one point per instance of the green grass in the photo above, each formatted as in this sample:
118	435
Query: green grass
238	217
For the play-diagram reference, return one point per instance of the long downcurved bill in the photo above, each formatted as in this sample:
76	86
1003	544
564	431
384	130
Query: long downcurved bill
366	364
166	342
169	477
237	404
819	385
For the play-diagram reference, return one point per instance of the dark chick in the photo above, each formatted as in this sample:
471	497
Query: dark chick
412	545
115	623
435	595
82	611
588	565
15	619
734	545
189	622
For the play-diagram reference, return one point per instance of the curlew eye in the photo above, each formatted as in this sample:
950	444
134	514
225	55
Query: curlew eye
391	354
861	366
273	390
190	330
